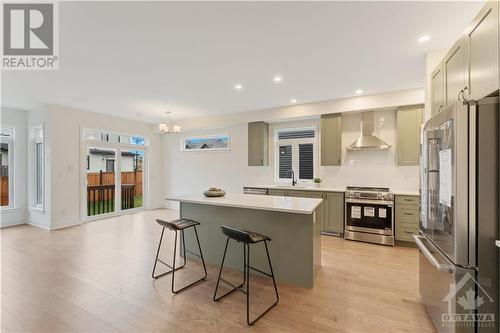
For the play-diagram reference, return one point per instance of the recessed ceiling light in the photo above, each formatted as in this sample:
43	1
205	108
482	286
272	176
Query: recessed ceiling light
277	78
424	39
359	91
293	100
238	86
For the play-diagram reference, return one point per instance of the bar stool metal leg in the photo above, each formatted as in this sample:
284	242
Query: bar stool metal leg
229	283
251	323
164	263
202	260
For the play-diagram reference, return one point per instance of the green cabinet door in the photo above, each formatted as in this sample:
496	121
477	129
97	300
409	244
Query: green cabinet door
258	143
331	139
334	213
320	211
481	44
298	194
277	192
454	72
408	122
437	90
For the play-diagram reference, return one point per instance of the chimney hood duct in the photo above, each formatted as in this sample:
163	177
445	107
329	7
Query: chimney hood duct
368	141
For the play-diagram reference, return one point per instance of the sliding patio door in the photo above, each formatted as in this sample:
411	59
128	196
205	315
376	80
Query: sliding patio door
115	173
101	180
132	178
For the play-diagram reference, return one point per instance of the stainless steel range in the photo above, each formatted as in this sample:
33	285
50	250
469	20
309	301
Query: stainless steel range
369	215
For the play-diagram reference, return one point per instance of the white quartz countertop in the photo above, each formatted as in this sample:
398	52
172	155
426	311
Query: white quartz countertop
323	189
254	201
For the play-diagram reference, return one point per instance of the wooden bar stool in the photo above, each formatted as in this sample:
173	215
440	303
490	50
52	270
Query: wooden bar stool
178	225
247	238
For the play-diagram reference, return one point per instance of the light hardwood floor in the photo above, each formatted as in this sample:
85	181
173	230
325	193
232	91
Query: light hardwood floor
97	278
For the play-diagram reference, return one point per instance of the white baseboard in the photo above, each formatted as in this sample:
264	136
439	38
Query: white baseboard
14	216
39	224
171	205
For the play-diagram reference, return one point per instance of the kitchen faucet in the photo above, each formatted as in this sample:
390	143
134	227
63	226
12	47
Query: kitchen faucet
293	176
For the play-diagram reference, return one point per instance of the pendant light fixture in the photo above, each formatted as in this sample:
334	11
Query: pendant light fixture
167	126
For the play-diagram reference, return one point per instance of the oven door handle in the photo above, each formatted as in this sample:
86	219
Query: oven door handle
370	201
425	251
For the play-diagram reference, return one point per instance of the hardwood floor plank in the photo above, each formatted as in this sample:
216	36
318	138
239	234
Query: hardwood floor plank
96	277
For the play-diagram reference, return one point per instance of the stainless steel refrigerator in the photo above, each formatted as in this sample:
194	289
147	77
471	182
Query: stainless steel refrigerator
458	264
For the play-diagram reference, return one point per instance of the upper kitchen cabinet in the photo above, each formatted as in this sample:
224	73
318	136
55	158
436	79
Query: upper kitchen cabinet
408	122
331	139
454	72
258	143
481	44
437	89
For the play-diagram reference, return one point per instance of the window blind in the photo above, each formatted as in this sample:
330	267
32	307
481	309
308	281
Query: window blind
285	161
306	161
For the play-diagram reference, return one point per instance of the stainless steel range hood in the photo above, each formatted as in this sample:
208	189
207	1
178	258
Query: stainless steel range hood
367	140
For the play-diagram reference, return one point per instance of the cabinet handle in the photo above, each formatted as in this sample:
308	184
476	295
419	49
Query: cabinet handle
440	107
411	214
338	160
460	94
408	232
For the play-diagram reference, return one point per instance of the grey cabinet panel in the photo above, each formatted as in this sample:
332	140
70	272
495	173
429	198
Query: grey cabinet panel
331	139
334	212
454	72
300	194
481	42
320	211
258	143
408	122
406	217
277	192
437	89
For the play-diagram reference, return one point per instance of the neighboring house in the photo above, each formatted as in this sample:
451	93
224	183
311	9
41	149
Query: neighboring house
101	159
205	144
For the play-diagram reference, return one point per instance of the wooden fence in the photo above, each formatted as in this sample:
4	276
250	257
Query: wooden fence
4	191
108	178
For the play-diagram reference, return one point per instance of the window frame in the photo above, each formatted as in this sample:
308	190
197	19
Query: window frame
295	152
10	141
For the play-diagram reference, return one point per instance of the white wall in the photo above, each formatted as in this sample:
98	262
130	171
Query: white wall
68	160
17	119
187	172
370	168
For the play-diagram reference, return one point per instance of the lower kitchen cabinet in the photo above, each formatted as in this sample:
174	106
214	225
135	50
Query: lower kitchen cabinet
277	192
406	217
334	213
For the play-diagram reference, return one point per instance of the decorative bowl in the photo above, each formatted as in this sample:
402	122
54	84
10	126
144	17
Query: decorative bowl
220	193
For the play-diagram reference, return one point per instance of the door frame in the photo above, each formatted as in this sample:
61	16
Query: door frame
118	147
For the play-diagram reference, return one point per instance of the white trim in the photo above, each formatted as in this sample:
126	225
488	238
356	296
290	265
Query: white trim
10	141
35	139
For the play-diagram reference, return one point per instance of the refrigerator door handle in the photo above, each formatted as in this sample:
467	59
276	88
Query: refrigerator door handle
442	267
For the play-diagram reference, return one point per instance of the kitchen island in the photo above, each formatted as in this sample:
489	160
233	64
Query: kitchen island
295	246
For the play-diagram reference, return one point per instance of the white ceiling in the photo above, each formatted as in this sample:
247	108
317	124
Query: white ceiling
136	60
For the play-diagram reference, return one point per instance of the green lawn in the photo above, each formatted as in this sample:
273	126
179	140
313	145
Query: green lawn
97	208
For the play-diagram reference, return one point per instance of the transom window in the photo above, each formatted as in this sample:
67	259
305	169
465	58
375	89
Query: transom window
295	151
102	136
